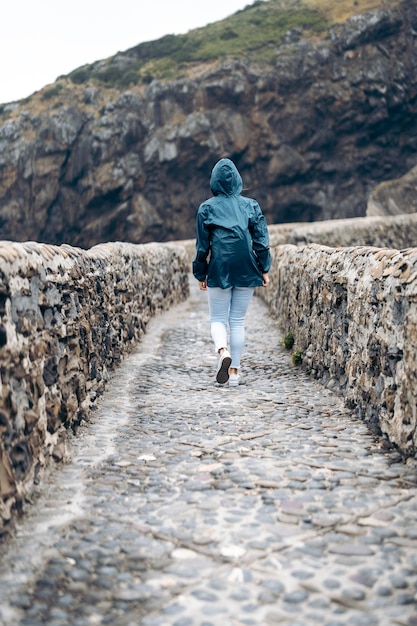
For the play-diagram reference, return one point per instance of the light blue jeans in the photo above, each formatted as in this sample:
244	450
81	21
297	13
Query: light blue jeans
228	308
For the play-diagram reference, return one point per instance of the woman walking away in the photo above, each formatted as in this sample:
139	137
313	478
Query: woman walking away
232	258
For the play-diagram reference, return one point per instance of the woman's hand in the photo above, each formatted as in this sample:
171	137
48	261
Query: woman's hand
202	284
265	280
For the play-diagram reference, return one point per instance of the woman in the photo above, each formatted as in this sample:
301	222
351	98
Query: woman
232	258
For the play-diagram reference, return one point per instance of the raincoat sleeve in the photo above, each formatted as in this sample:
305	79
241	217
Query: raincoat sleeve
260	239
200	264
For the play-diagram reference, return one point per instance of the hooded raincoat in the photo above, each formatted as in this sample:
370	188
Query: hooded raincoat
232	247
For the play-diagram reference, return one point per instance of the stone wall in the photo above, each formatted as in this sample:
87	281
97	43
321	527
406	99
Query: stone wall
67	316
398	232
353	313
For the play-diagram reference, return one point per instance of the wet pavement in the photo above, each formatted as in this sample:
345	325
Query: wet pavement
188	504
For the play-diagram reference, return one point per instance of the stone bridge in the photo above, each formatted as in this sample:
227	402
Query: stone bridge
291	499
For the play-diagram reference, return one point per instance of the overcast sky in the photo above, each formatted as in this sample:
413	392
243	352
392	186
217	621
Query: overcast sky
43	39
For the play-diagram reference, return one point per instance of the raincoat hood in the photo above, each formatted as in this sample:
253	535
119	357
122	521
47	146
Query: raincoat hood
225	179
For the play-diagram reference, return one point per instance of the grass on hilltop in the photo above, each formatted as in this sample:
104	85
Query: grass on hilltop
249	33
336	11
253	33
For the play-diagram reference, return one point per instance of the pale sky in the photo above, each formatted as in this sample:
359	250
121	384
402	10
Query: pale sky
43	39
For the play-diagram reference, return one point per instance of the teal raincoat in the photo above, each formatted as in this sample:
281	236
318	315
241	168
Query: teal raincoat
232	247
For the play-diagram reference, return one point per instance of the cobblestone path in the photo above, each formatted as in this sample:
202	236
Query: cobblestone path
189	504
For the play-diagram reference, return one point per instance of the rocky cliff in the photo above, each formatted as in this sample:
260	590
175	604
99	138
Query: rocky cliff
394	197
313	134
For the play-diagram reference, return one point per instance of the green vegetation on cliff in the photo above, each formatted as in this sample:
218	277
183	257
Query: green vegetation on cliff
252	33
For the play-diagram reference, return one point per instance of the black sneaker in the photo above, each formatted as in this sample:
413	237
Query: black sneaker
222	375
